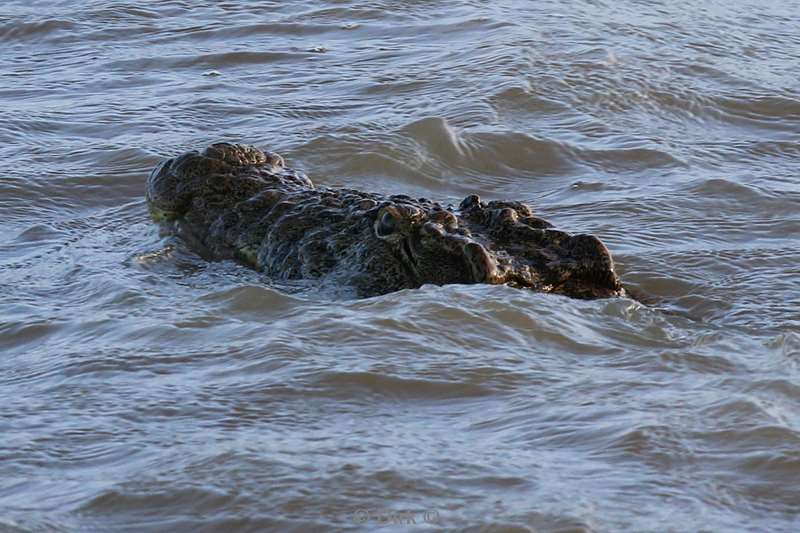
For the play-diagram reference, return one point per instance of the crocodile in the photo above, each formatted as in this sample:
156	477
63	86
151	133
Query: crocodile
235	201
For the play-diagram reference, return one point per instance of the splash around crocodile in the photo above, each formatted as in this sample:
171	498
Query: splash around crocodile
233	201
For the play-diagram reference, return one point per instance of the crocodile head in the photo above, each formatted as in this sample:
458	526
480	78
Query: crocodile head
497	243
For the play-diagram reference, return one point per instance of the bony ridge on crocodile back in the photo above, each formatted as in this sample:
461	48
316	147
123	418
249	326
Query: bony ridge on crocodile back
234	201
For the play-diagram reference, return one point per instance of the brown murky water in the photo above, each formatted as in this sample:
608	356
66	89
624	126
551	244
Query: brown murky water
143	389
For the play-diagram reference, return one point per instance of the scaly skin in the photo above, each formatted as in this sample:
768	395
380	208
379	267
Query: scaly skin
234	201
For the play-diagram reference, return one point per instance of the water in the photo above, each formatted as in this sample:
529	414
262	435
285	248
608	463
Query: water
143	389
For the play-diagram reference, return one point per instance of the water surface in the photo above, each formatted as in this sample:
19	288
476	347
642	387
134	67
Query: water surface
144	389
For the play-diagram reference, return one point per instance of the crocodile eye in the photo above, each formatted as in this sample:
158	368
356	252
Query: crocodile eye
386	225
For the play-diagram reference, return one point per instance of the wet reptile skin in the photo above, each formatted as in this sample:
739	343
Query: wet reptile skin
234	201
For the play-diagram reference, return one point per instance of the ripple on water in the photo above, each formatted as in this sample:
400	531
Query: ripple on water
146	389
35	31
